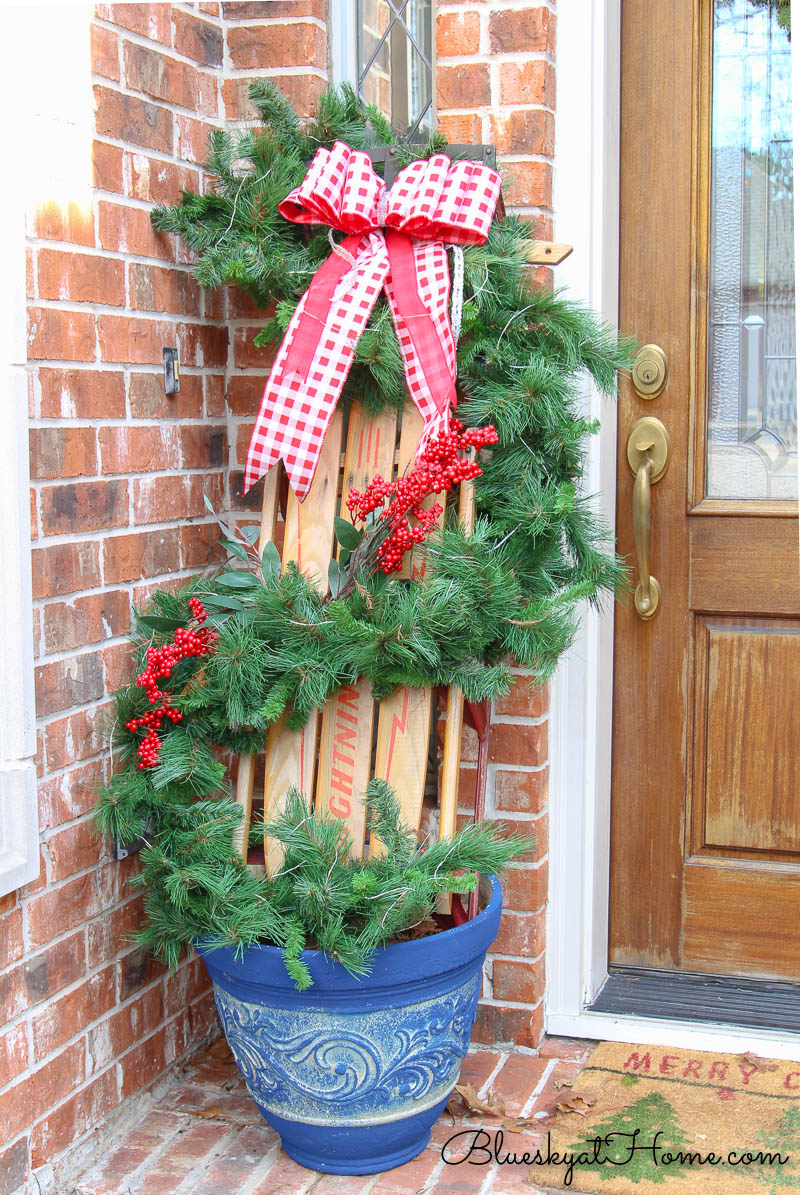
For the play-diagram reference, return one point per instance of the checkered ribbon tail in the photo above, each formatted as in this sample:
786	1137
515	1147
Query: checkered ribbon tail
396	242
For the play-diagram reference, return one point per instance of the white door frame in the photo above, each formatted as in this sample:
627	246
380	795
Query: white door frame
586	200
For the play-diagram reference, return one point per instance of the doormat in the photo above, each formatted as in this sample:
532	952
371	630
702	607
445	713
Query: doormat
663	1120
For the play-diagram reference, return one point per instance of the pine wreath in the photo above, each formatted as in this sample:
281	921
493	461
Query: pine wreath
511	588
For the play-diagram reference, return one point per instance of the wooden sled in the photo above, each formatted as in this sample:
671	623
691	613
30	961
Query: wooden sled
330	759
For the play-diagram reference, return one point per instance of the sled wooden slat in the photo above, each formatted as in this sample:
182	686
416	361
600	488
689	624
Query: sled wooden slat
244	779
454	717
401	756
308	540
347	718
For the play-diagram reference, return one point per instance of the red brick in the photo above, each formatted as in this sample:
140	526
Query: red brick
159	499
243	394
81	278
528	184
301	44
461	128
63	452
60	909
164	78
64	683
196	39
13	1053
531	82
11	943
302	91
565	1047
139	449
242	306
72	1014
141	340
107	167
14	1165
85	506
186	986
82	394
524	131
457	33
497	1023
105	53
53	969
69	795
535	831
193	139
83	620
214	392
76	737
60	335
126	118
56	1131
140	554
464	86
156	181
520	982
521	933
109	935
41	1089
200	545
523	701
517	743
73	222
129	230
519	1078
148	400
142	1065
525	889
256	10
117	666
74	849
149	20
156	289
203	447
248	354
522	30
65	568
520	792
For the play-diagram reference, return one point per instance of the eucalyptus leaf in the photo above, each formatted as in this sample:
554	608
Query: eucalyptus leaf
234	549
222	601
157	623
346	534
251	532
240	579
336	578
270	562
345	557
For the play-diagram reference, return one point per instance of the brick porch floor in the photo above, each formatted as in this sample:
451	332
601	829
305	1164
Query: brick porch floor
205	1136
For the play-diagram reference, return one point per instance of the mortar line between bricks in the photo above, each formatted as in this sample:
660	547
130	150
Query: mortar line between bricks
262	1169
538	1089
117	87
204	1164
495	1072
77	307
158	47
156	1154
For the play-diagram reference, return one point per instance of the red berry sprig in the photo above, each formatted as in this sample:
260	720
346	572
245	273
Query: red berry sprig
444	463
186	644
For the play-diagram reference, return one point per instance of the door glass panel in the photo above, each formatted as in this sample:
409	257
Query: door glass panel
394	62
752	421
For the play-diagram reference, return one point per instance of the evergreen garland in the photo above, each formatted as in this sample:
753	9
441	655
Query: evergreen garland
513	587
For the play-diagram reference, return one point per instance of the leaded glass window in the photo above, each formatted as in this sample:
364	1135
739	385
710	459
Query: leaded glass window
394	56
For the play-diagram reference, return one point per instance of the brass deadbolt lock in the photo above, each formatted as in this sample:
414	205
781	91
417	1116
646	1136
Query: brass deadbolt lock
649	371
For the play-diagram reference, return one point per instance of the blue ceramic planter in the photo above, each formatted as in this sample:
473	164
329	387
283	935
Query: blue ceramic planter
352	1073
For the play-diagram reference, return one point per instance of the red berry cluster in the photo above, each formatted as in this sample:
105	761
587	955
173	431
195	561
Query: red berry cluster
444	463
186	643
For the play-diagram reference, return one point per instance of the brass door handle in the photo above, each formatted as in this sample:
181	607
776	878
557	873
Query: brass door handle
648	454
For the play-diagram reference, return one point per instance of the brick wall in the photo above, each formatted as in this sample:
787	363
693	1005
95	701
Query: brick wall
118	477
495	82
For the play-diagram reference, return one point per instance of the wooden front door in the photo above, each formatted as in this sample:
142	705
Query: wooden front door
705	855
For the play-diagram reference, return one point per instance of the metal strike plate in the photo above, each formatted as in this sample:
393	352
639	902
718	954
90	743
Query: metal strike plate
172	370
649	371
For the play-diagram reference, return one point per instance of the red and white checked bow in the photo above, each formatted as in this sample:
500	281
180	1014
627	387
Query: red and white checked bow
395	241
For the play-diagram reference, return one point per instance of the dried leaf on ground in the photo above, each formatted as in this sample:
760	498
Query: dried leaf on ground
582	1104
493	1105
559	1083
220	1049
761	1064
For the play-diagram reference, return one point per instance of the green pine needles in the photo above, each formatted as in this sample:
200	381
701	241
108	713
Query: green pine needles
195	887
514	587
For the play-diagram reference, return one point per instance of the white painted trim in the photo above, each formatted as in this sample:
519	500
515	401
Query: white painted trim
19	815
343	47
652	1031
587	216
